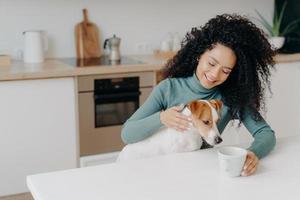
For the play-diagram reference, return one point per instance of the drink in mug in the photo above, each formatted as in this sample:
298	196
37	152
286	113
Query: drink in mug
231	160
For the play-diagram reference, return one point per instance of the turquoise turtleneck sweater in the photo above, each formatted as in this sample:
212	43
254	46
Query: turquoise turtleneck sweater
174	91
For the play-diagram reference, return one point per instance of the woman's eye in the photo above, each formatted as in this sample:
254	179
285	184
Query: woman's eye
211	64
226	72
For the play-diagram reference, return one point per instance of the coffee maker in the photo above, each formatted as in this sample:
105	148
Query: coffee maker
113	45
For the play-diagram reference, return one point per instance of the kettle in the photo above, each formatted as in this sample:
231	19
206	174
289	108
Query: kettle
114	48
35	45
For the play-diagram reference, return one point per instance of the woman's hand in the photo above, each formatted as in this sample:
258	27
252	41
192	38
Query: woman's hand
172	118
250	165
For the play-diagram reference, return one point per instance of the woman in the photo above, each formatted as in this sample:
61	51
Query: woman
228	58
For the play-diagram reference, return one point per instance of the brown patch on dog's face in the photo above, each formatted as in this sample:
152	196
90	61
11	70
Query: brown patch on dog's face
202	116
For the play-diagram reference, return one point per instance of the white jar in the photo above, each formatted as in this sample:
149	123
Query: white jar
35	45
165	45
176	42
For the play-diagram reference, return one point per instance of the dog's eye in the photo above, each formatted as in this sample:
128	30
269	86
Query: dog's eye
206	122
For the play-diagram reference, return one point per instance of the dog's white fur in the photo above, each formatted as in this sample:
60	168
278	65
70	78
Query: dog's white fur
169	140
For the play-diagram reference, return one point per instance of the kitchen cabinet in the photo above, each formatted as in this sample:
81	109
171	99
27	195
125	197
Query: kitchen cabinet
38	130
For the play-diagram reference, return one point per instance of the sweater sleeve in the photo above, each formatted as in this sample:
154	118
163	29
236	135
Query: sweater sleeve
264	137
146	120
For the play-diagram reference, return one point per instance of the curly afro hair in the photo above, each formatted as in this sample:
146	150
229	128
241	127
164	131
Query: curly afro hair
245	86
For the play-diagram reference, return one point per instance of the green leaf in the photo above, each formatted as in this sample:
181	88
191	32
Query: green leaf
265	23
275	18
291	26
281	15
274	29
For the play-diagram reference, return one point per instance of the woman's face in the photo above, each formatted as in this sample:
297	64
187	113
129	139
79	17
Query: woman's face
215	65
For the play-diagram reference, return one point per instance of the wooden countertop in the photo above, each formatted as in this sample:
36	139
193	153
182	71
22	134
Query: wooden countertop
53	68
284	58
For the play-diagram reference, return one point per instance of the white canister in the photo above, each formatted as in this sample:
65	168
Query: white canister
35	45
165	46
176	42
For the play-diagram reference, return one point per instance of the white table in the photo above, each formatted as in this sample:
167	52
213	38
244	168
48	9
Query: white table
189	176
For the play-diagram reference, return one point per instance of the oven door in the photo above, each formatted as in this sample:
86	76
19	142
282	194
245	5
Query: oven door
115	109
98	135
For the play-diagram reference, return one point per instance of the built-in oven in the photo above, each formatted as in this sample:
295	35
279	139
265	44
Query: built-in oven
105	103
115	99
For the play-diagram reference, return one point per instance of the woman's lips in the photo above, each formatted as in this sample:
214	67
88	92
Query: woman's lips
209	79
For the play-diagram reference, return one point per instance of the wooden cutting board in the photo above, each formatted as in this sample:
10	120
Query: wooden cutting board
87	39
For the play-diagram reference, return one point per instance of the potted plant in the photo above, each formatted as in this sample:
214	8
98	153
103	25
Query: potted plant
275	31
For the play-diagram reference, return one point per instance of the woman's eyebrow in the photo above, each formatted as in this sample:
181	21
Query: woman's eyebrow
214	59
219	63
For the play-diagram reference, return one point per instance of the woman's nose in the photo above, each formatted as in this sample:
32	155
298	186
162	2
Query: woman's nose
215	72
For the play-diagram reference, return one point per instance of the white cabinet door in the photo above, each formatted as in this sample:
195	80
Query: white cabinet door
37	130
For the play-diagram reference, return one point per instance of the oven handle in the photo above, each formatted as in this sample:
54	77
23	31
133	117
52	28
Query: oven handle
119	95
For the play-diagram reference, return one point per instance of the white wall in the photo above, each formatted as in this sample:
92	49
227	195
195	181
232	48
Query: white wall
135	21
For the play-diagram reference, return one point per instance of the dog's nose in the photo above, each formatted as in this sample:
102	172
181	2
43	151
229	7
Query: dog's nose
218	140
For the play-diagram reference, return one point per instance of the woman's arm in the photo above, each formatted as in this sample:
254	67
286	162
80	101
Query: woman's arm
146	120
264	137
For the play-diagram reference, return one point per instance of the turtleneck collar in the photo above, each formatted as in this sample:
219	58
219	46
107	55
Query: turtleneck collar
198	87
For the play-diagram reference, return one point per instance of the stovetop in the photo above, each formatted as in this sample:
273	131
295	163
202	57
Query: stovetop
102	61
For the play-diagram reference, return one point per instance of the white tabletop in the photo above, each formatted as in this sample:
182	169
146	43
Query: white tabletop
189	176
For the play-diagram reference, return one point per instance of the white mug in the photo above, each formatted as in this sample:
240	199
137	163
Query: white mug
231	160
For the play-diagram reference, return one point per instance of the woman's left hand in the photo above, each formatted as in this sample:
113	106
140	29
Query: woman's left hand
250	165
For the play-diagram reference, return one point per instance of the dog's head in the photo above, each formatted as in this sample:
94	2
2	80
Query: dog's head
205	115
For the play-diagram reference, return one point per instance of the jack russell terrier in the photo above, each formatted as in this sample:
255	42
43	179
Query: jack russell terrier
203	133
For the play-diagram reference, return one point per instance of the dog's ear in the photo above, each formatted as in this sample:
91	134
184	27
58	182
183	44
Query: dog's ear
217	104
196	107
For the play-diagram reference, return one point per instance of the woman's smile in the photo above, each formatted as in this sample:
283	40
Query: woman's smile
209	79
